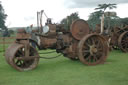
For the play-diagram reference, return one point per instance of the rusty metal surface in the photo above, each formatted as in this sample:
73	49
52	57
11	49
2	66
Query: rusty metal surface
92	49
116	29
118	35
123	41
72	44
72	52
66	46
48	42
79	29
23	36
21	30
16	51
52	28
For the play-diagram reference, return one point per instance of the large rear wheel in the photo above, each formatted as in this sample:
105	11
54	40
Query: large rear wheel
93	49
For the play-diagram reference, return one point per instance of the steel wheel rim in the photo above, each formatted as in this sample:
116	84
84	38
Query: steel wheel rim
21	65
92	54
123	41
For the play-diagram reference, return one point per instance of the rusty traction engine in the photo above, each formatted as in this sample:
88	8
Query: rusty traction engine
119	38
76	44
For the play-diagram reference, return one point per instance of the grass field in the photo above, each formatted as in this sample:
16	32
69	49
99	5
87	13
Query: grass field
62	71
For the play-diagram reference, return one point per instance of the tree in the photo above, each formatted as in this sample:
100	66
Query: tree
69	19
112	21
124	22
109	20
11	32
2	18
103	7
94	18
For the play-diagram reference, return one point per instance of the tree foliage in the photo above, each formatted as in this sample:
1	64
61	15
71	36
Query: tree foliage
103	7
11	32
95	17
69	19
124	21
2	18
112	21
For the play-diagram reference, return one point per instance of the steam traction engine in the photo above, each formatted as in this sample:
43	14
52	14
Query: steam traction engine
119	38
76	44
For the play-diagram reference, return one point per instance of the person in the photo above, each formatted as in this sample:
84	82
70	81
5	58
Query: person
28	30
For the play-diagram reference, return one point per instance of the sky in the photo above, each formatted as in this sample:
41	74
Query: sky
22	13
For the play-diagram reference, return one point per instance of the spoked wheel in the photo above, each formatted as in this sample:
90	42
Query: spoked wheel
15	56
116	30
92	49
123	41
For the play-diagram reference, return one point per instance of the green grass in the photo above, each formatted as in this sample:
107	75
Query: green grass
63	71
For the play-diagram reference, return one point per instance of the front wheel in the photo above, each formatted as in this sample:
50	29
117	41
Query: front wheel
17	51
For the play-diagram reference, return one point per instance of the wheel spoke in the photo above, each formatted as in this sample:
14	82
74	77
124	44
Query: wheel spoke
86	54
95	58
23	63
26	63
88	58
87	44
98	44
93	41
95	48
100	49
85	51
19	53
17	62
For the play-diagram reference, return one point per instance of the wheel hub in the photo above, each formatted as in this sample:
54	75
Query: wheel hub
93	49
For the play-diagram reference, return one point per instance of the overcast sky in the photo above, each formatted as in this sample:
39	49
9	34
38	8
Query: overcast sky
23	12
